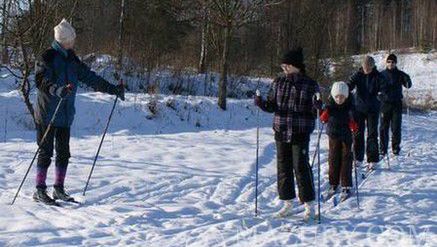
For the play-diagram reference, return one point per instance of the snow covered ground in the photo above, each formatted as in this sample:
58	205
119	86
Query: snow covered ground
178	171
185	177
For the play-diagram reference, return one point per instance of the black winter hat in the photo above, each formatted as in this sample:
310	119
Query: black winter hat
294	57
393	58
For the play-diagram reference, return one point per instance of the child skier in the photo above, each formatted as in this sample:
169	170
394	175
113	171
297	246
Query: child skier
57	77
293	99
338	114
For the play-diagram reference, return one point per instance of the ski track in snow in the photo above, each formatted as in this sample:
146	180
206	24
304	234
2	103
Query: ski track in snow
197	189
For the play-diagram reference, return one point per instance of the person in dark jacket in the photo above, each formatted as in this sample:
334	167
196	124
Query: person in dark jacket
391	105
292	100
338	114
57	77
368	83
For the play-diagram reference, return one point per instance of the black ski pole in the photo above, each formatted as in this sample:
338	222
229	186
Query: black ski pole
386	136
318	172
257	158
356	179
100	145
49	126
408	114
317	146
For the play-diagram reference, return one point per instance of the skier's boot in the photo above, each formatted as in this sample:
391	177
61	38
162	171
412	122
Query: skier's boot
286	210
345	194
371	166
330	193
59	194
309	212
41	196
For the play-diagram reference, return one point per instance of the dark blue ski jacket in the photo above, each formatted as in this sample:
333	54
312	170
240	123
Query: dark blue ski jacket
61	67
367	89
395	79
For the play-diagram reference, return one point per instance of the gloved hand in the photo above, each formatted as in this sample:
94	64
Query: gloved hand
324	116
258	98
61	91
118	90
317	101
382	97
353	126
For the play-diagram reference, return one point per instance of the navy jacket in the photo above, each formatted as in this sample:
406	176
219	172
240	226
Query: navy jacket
339	117
367	89
394	79
61	67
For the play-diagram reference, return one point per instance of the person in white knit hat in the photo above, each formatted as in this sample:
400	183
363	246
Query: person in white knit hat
58	74
338	114
65	34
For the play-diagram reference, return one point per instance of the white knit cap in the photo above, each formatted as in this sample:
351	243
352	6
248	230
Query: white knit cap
340	88
64	32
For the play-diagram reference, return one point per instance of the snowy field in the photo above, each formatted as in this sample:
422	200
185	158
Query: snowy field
178	171
185	177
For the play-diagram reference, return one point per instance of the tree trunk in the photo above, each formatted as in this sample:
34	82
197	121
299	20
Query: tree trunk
289	27
25	84
224	73
363	28
5	14
120	43
203	45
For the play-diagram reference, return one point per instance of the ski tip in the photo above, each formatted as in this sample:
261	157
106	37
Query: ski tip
80	199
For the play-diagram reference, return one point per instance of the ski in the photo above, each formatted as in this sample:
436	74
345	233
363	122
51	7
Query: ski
284	224
69	204
53	204
292	227
327	197
367	173
294	223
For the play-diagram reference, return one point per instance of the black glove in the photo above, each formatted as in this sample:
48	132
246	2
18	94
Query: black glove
382	97
258	99
61	91
118	90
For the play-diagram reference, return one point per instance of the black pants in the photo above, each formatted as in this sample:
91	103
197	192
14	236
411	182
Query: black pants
371	120
293	158
391	117
58	139
340	162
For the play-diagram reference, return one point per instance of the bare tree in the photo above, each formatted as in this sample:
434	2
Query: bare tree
5	17
120	41
204	40
231	15
28	29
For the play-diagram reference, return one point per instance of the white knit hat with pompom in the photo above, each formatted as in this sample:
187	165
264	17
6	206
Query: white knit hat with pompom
64	32
340	88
